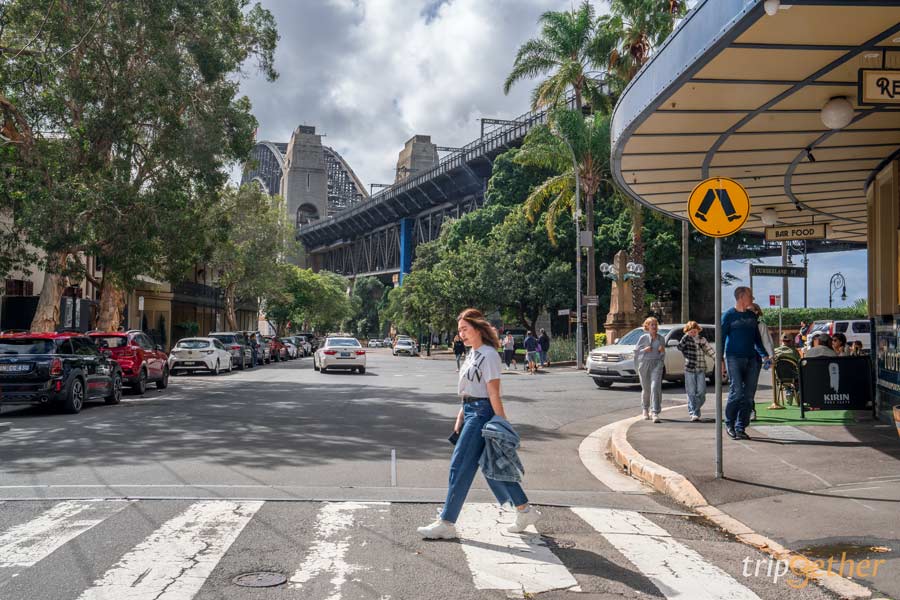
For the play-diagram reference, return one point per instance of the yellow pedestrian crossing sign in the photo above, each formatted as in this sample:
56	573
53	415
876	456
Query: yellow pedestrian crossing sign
719	207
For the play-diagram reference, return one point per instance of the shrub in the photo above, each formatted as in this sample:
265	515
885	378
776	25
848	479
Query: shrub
791	317
599	339
562	349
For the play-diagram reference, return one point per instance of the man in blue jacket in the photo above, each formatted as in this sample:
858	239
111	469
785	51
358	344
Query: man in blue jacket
743	358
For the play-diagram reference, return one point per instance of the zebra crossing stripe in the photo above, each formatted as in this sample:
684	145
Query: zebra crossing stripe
499	560
676	570
28	543
175	560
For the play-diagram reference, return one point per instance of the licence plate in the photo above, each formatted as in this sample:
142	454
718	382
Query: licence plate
345	355
15	368
190	363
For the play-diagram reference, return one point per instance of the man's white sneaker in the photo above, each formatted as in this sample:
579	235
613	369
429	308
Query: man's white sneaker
439	530
655	417
524	518
646	414
694	418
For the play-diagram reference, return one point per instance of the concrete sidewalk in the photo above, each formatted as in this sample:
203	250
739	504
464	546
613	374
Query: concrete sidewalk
820	491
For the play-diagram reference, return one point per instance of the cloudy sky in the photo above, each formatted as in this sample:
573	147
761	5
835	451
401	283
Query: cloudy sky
370	74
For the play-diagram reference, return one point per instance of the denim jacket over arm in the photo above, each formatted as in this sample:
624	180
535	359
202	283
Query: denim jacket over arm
500	461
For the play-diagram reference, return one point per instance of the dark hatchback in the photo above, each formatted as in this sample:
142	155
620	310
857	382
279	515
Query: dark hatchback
59	369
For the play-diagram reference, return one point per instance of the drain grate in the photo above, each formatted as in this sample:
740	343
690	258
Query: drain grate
260	579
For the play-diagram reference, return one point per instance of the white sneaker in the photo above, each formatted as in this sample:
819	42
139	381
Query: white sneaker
646	414
654	417
439	530
524	518
695	418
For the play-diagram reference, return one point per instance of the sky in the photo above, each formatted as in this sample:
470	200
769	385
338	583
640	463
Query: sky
370	74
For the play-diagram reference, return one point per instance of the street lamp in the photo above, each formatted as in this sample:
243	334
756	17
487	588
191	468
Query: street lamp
633	270
837	283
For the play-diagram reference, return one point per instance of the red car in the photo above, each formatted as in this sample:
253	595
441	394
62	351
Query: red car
278	349
141	360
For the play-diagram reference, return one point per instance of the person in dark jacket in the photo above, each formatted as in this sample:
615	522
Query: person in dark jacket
531	352
459	349
544	341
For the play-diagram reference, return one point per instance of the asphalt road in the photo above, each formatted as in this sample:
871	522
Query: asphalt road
173	494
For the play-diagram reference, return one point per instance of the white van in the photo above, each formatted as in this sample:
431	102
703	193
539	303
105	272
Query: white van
856	330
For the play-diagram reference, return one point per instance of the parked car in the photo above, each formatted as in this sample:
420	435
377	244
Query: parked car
200	354
60	369
615	363
278	351
237	345
340	353
386	342
856	330
304	344
407	347
311	338
375	344
141	360
291	347
264	352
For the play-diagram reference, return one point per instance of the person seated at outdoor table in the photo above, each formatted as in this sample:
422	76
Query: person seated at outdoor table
821	346
787	352
856	348
839	344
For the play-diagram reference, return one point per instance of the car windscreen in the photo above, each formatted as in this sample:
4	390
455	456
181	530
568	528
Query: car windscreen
820	326
631	338
110	341
225	339
192	344
26	346
404	343
341	343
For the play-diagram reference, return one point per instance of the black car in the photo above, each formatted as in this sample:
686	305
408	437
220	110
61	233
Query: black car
59	369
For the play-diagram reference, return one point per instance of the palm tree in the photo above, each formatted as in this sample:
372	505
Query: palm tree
625	41
570	139
563	50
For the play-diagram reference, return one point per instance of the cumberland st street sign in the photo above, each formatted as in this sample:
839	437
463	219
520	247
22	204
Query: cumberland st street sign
776	271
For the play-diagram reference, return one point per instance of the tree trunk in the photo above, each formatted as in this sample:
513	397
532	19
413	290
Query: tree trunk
230	310
112	303
637	255
46	317
591	269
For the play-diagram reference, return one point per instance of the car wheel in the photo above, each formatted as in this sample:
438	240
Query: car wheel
362	370
115	396
141	386
74	399
315	365
216	370
323	369
230	365
603	384
163	383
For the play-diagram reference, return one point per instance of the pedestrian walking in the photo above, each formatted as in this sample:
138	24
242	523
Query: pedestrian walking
649	357
694	346
743	353
531	352
459	349
767	343
509	350
544	341
482	417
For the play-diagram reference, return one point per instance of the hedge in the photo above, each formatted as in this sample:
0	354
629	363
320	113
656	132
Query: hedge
791	317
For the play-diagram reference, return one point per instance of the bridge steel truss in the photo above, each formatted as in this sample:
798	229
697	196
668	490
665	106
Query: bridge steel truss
378	251
368	238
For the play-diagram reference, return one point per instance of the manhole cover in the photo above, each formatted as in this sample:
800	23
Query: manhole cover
260	579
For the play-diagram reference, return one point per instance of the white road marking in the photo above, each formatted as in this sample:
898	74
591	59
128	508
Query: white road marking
327	556
593	450
28	543
676	570
520	563
175	560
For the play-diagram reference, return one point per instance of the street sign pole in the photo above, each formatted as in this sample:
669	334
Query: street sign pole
719	357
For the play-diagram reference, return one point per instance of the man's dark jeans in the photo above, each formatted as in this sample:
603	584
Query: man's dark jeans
743	375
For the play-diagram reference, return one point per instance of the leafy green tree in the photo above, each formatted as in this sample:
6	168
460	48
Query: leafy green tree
253	232
119	119
625	41
317	301
563	51
367	294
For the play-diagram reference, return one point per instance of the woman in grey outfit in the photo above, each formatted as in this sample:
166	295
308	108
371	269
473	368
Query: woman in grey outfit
649	358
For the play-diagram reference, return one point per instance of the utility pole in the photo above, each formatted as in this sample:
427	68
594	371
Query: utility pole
784	280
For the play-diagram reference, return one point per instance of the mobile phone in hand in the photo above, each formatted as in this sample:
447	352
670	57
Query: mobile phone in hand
454	437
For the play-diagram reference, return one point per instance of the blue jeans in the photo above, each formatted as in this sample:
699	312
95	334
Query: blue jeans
695	385
743	375
650	373
464	463
543	357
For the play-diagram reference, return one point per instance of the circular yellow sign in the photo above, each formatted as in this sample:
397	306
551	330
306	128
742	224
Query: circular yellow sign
719	207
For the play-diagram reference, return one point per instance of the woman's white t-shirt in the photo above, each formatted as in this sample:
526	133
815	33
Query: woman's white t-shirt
480	367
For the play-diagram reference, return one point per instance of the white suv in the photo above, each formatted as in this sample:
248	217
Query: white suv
615	363
856	330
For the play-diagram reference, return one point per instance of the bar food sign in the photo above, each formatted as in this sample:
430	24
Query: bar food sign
879	87
795	232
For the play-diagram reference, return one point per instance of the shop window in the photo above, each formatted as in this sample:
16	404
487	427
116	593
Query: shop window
19	287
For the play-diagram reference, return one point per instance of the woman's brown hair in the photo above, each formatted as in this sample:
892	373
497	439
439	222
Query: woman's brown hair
473	317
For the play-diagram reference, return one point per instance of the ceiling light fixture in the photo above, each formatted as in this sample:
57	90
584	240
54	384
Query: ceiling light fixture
769	216
772	7
837	113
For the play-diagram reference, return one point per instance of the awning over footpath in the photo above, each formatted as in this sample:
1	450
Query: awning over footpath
738	93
